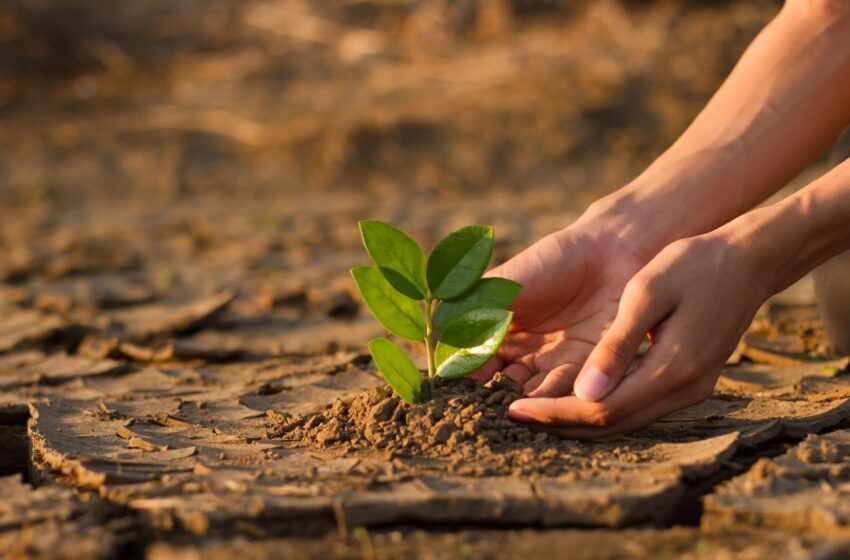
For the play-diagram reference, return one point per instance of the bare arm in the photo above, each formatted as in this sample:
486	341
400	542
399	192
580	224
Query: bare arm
795	235
786	100
709	263
698	295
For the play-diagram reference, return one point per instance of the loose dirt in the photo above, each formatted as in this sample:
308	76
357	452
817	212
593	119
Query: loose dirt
464	424
181	349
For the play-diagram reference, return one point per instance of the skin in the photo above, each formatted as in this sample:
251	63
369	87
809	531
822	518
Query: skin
678	252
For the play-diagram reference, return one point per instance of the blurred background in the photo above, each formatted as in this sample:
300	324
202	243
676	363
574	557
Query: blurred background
181	148
170	100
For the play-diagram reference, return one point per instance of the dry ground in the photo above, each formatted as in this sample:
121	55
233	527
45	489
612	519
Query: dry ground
181	185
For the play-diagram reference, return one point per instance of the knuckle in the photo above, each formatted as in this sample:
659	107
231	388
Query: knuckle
683	246
636	288
618	349
705	386
683	370
671	374
688	367
683	364
642	289
604	416
561	374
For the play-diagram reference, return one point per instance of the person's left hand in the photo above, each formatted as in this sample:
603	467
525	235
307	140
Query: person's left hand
695	299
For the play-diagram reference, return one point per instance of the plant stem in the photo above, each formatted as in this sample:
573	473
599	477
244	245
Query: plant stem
429	347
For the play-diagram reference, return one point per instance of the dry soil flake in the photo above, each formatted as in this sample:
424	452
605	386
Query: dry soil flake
21	328
53	522
145	322
805	489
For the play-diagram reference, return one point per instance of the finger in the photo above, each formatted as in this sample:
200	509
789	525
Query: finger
556	383
561	349
665	368
518	372
613	356
563	360
533	383
488	370
550	411
686	396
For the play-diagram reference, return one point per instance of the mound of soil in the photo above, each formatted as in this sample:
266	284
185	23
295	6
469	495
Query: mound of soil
464	423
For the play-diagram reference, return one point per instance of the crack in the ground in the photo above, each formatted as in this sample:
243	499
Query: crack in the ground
691	507
137	529
15	456
689	512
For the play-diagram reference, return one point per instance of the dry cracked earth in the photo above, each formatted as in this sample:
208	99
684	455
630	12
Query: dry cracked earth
211	410
182	355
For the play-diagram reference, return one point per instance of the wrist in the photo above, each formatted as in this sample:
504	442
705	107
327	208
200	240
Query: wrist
780	243
752	248
793	236
680	195
636	218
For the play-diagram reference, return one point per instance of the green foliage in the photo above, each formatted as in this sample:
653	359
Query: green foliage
397	368
487	293
398	313
470	340
459	260
464	318
399	258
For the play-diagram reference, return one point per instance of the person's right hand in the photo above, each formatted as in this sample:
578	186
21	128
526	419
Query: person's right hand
572	281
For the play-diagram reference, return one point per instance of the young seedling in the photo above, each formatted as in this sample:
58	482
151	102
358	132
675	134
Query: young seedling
440	300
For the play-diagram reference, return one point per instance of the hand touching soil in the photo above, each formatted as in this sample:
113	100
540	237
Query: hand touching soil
697	298
717	260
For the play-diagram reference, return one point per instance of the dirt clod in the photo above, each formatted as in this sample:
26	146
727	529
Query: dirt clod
464	422
442	431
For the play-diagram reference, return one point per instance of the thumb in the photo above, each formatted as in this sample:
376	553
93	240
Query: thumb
611	358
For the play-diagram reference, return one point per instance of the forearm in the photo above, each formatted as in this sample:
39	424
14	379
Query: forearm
786	100
790	238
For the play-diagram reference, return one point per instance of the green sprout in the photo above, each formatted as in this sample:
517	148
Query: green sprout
440	300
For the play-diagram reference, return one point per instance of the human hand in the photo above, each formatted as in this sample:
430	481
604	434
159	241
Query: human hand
572	281
696	298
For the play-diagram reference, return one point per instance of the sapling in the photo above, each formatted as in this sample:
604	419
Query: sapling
440	300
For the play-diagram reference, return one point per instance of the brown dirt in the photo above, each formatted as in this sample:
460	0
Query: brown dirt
803	489
178	218
464	424
681	542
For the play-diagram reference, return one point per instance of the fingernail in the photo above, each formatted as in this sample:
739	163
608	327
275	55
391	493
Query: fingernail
591	384
518	415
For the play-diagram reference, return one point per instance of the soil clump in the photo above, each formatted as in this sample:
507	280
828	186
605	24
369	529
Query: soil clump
464	425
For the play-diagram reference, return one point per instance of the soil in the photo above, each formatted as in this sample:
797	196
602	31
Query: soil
182	352
811	475
463	424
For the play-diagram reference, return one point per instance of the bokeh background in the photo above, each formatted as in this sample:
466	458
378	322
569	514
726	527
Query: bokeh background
160	151
173	100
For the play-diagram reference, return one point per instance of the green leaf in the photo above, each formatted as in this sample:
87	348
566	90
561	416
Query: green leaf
397	368
398	257
398	313
487	293
459	260
470	340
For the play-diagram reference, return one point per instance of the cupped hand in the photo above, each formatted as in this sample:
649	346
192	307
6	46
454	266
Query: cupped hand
695	298
572	281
